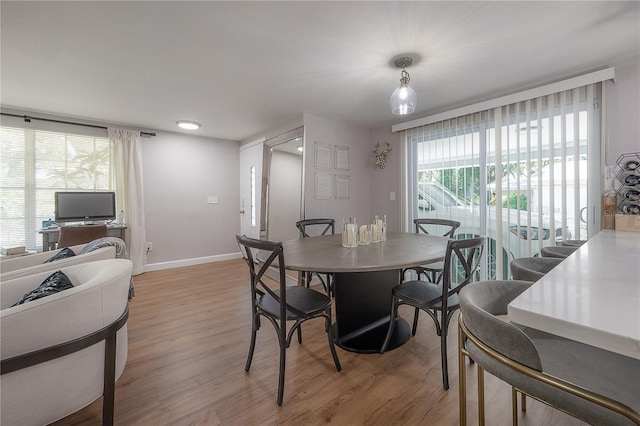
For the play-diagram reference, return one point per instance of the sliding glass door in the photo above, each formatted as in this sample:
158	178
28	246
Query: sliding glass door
526	175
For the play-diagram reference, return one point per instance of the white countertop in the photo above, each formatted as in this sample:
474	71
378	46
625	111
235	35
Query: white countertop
592	297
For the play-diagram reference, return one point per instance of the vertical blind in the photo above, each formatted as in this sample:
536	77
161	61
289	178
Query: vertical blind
524	174
33	166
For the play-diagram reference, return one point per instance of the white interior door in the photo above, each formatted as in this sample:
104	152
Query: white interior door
251	188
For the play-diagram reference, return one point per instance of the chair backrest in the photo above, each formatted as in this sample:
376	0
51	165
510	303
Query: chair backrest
74	235
422	225
479	305
461	264
260	256
560	252
320	226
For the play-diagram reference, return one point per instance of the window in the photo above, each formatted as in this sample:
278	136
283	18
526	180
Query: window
33	166
253	195
522	174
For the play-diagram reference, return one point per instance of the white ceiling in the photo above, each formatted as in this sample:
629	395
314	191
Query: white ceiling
242	67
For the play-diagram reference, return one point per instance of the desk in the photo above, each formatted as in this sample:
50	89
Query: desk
364	278
592	297
50	235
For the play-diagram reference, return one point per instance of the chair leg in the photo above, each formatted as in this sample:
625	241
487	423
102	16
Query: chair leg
415	321
462	380
524	402
300	334
109	385
443	354
332	346
252	346
392	322
283	354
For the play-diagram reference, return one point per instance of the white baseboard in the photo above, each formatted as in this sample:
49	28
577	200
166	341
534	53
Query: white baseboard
190	262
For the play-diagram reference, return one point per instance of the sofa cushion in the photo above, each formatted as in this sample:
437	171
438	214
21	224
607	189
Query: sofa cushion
62	254
54	283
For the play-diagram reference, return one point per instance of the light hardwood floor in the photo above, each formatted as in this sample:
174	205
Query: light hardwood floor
189	332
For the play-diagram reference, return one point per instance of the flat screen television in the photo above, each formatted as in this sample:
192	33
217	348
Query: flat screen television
85	206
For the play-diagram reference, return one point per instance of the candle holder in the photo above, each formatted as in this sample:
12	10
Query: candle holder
349	232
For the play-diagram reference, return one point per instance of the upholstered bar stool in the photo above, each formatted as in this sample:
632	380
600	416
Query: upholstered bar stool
532	268
573	243
589	383
559	252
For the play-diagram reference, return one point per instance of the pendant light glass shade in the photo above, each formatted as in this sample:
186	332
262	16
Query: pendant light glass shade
403	99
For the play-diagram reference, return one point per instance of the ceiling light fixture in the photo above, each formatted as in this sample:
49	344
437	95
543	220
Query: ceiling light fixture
403	99
188	125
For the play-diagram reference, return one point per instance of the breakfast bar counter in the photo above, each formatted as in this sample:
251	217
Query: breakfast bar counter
593	296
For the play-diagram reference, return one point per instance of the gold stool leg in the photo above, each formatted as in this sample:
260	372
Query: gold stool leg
480	396
514	406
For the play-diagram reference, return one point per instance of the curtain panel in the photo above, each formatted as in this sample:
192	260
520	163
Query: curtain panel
127	161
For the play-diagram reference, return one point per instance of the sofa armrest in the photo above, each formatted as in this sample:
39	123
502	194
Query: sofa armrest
13	264
99	297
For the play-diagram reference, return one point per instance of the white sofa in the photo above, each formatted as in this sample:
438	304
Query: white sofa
86	324
33	263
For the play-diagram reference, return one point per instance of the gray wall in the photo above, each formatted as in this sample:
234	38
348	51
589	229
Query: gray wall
180	171
387	180
284	190
332	132
624	110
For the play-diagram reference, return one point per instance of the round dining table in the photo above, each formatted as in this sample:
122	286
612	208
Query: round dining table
364	277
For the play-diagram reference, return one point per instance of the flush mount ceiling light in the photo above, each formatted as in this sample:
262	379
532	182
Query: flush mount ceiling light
188	125
403	99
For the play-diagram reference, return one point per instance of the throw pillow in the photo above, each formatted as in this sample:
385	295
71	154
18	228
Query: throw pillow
54	283
62	254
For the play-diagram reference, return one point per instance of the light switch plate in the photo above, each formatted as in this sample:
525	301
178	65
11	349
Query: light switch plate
392	196
212	199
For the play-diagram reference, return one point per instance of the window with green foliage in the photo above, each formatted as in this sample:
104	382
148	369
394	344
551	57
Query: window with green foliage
33	166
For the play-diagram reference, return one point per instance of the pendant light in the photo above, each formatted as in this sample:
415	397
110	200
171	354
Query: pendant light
403	99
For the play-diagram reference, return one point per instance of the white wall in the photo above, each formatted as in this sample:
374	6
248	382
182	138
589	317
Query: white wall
180	171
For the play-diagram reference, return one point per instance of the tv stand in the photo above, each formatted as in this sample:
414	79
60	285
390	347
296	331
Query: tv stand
50	235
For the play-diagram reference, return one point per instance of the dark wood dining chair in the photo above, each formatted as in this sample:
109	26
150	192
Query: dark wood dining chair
311	228
461	264
433	271
74	235
282	304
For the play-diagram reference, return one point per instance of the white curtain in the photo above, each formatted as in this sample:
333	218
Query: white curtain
127	161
